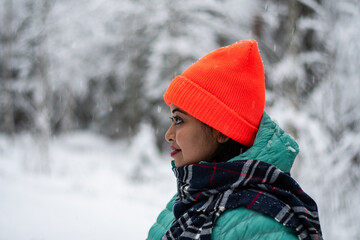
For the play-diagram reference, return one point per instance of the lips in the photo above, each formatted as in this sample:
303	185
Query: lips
174	151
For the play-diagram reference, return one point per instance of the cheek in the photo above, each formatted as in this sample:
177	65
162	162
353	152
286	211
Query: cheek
207	144
179	136
193	143
183	140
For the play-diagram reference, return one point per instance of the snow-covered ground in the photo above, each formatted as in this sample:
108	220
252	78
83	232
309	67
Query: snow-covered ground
97	188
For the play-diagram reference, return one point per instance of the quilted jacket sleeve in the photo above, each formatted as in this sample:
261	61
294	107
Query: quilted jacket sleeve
163	222
242	223
239	224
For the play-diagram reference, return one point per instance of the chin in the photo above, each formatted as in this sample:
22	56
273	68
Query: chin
179	162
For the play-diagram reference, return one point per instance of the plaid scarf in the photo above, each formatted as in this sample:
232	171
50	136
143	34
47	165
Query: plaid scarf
206	190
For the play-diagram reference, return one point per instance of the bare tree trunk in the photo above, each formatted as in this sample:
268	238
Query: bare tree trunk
42	96
66	124
293	49
6	101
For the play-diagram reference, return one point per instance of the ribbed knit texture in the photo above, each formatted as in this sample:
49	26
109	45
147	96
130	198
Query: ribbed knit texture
224	89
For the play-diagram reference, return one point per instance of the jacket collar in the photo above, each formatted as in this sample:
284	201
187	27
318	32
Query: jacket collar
272	145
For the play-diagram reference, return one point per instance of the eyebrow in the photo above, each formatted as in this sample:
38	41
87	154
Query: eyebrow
178	110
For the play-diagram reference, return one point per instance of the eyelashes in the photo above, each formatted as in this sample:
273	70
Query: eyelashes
176	120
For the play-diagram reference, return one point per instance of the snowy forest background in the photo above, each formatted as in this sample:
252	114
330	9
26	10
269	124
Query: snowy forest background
82	118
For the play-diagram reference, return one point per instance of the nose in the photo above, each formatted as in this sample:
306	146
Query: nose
170	134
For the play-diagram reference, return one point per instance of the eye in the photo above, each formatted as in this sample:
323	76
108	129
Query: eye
176	120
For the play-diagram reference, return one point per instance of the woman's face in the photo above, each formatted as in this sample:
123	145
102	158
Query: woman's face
191	140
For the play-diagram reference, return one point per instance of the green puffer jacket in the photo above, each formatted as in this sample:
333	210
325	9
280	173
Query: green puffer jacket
271	145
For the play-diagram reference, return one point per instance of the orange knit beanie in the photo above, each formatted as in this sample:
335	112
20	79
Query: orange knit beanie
224	89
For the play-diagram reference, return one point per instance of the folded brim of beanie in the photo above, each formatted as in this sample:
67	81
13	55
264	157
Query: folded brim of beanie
205	107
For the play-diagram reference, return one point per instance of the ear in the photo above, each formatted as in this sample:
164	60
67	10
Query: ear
221	138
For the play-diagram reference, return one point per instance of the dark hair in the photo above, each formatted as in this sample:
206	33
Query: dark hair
227	150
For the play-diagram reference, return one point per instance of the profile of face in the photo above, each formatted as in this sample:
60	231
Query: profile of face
191	140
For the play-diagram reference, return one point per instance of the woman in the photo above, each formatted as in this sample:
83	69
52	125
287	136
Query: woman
231	161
